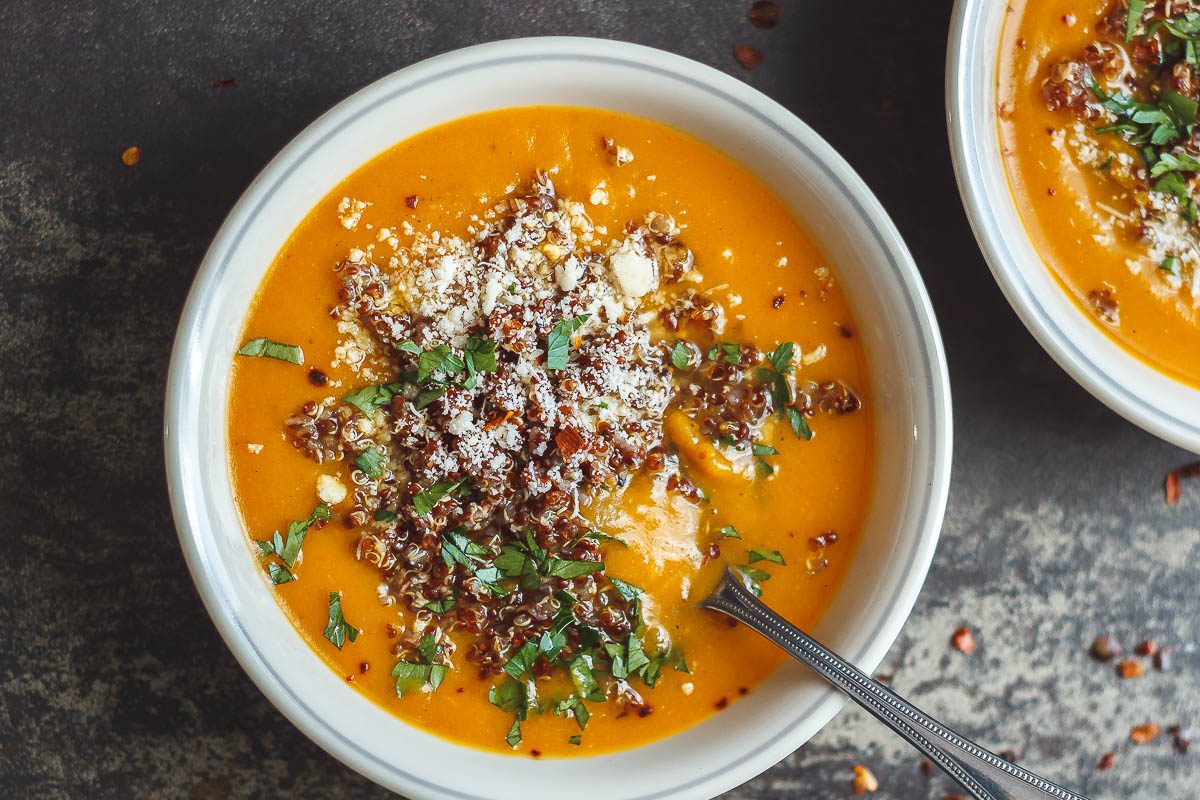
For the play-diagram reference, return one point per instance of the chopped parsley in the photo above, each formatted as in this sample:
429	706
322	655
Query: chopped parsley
558	343
766	555
369	398
267	348
752	577
681	355
411	676
729	352
729	532
338	631
426	499
287	549
370	461
384	515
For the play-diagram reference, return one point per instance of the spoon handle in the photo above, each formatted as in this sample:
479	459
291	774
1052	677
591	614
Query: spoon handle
984	775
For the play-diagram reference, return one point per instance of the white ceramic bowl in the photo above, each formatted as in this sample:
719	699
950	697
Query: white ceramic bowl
1166	407
909	396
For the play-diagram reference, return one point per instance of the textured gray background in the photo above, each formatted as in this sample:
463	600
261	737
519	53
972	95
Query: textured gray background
112	679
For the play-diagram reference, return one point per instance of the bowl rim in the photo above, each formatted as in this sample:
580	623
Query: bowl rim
1094	361
933	477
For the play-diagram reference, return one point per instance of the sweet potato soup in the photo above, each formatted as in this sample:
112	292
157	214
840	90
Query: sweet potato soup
509	400
1098	112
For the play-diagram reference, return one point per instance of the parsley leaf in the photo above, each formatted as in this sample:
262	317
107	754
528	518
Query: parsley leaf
558	343
681	356
729	352
583	678
729	532
369	398
338	630
438	359
426	499
279	574
799	424
563	568
781	357
627	590
763	449
370	461
266	348
1170	264
767	555
1134	18
384	515
752	577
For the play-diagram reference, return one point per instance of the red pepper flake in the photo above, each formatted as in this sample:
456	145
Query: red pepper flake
926	767
363	667
823	540
130	156
1146	648
864	780
499	420
1177	475
412	200
1106	762
722	703
1130	669
349	679
1050	190
963	640
391	631
845	331
765	14
749	57
535	753
645	711
743	691
1141	734
569	441
224	83
778	301
317	378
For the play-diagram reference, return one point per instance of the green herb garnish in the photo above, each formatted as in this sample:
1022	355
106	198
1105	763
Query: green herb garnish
767	555
266	348
426	499
338	631
370	461
558	343
681	356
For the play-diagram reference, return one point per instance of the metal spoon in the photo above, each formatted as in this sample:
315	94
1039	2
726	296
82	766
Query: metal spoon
984	775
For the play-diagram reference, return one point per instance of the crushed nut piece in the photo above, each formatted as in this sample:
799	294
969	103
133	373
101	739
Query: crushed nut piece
1106	762
617	154
1105	648
1146	648
130	156
1181	736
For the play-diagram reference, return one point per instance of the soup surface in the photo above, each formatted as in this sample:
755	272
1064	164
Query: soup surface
514	394
1097	123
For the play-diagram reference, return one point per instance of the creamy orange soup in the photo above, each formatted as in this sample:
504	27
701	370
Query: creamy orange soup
1096	125
670	277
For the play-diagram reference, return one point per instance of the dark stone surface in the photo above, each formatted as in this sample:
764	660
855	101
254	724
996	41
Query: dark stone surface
113	681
